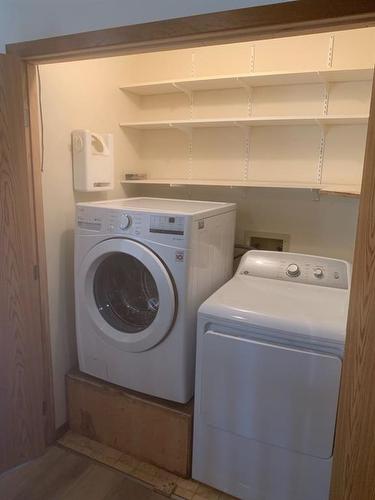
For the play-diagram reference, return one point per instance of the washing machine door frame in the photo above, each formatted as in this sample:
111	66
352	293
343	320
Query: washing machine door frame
165	316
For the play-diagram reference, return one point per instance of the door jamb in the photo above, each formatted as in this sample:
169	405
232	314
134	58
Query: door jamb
33	144
278	20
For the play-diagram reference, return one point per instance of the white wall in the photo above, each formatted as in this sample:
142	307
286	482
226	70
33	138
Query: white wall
326	227
6	29
74	95
32	19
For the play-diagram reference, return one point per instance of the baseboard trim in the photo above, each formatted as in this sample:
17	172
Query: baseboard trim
60	431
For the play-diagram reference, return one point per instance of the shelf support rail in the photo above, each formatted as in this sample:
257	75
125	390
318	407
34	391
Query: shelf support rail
331	47
252	58
246	135
249	90
187	130
322	145
327	88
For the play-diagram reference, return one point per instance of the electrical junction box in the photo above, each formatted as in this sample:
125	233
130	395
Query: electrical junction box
93	168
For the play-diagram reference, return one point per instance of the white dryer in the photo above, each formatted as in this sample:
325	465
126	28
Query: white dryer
269	353
142	268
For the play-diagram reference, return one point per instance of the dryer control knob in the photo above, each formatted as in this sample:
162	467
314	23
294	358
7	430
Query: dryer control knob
125	222
293	270
318	273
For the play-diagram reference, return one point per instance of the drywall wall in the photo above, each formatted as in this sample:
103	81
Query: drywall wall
326	227
32	19
74	96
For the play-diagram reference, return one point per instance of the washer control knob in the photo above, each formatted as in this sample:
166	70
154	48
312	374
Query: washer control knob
318	273
293	270
125	222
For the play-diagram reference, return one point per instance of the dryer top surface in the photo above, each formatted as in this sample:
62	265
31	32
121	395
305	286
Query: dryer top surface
294	309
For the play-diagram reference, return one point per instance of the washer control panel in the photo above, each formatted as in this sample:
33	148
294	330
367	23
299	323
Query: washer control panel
118	222
109	221
298	268
167	224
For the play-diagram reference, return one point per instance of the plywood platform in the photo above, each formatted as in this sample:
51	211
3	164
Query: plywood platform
153	430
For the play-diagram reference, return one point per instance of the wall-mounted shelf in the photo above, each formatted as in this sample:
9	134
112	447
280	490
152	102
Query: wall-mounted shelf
248	122
341	190
333	189
248	80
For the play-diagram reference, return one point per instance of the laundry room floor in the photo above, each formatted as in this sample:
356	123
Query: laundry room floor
62	474
160	481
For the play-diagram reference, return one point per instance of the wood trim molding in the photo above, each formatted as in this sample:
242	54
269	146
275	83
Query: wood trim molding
35	172
21	374
354	456
283	19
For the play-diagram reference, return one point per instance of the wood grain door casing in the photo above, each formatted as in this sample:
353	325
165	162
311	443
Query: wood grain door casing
354	456
353	476
34	147
22	434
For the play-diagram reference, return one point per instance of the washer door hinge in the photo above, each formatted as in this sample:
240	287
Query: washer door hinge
36	272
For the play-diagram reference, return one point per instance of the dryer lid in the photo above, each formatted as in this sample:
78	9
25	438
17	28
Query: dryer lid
314	314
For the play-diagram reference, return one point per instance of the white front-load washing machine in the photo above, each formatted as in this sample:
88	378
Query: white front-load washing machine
142	268
270	344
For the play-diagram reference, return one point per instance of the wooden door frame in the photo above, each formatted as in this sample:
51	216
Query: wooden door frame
352	478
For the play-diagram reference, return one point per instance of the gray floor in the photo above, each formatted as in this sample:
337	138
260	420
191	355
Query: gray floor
64	475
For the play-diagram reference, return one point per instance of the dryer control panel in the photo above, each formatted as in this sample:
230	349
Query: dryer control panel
294	267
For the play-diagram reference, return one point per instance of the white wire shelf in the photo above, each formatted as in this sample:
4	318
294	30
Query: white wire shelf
246	80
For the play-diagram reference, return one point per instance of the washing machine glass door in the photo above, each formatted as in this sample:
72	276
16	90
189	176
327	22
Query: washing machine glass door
128	294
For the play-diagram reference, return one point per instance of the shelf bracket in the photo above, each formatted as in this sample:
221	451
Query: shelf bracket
183	88
183	128
243	83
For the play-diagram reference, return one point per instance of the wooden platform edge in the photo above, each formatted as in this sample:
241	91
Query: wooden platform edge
150	429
